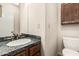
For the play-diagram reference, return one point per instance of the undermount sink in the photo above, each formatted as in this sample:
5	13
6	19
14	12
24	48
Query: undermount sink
19	42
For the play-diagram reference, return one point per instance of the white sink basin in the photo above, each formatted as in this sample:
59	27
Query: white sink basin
19	42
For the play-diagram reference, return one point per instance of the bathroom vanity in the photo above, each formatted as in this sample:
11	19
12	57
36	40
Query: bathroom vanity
32	48
9	26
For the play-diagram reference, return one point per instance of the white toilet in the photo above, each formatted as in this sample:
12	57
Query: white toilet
71	46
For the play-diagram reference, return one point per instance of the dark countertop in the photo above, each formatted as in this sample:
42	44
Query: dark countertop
10	51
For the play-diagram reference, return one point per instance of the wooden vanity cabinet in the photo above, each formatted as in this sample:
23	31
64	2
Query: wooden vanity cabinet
35	50
38	54
22	53
32	50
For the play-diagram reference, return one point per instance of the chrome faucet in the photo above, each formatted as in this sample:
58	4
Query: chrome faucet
15	36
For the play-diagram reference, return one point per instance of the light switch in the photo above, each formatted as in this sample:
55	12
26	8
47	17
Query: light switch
38	26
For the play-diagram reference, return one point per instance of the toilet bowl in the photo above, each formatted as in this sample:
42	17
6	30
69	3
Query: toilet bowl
69	52
71	46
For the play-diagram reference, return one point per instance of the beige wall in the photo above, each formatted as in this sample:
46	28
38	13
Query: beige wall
0	10
16	19
23	18
71	30
60	37
41	19
51	29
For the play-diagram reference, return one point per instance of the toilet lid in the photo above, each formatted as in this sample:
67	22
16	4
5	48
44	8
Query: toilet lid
69	52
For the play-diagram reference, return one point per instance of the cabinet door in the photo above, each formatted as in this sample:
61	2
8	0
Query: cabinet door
36	48
70	13
23	53
66	13
38	54
66	10
74	12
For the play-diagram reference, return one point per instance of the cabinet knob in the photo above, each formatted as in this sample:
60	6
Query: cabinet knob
49	26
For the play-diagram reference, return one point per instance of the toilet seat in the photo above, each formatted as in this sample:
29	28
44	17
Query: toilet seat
69	52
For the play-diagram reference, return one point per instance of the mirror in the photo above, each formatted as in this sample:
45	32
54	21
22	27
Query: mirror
7	19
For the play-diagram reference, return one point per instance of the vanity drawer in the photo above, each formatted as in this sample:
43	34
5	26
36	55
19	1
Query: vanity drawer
38	54
34	49
23	53
26	52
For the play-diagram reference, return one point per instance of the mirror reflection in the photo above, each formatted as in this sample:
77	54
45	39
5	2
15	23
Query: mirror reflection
8	19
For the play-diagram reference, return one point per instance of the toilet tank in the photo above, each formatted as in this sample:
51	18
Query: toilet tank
71	43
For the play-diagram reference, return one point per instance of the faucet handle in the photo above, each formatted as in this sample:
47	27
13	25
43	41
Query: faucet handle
13	32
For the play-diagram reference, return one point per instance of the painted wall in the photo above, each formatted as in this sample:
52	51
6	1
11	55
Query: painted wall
9	17
51	29
16	19
71	30
41	19
60	37
23	18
